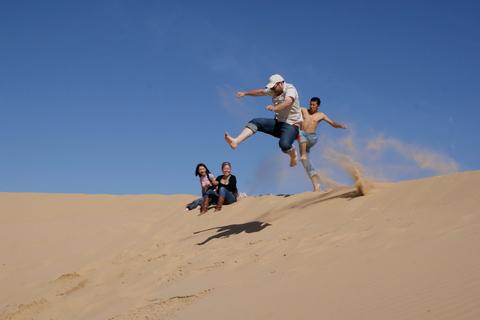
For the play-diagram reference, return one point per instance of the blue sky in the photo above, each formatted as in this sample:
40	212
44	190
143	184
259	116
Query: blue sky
126	97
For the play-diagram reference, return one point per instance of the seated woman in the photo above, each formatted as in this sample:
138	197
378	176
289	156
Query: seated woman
207	181
226	190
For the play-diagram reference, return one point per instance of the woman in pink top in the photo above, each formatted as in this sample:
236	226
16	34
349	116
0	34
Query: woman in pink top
207	181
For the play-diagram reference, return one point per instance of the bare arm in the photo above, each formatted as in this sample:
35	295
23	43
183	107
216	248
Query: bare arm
333	123
288	101
212	182
252	93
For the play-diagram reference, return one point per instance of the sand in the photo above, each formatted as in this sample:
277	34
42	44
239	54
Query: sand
406	250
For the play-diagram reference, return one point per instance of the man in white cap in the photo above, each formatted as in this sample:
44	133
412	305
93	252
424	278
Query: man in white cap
286	123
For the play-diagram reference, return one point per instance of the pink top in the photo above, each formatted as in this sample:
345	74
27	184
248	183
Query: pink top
205	182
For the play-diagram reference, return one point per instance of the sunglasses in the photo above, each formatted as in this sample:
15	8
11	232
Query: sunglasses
226	164
273	88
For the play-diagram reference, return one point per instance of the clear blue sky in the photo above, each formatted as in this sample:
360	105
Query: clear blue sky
126	97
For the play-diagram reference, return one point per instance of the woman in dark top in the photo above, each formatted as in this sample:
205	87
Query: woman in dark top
226	190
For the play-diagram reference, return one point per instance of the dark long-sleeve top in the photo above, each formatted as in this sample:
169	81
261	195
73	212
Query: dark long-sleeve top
231	184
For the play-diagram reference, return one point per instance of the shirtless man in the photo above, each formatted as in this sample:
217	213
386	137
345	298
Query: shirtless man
286	123
308	137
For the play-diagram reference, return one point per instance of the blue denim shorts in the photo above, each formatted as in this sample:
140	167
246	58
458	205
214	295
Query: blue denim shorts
284	131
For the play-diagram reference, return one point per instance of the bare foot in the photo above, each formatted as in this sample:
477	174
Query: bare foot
201	213
294	159
316	188
231	141
303	158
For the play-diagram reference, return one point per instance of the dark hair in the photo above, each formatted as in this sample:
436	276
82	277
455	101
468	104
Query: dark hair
317	100
225	164
201	165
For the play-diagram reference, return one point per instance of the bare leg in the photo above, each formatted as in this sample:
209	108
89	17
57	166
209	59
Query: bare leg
234	142
303	151
293	157
316	185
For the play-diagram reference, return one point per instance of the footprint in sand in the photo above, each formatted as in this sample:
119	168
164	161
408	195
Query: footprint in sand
162	309
73	289
65	283
25	311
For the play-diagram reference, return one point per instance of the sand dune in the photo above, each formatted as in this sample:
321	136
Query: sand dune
407	250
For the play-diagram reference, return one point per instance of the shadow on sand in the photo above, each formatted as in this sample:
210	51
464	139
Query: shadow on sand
226	231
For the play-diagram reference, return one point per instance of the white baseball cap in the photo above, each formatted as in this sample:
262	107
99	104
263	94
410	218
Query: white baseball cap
274	80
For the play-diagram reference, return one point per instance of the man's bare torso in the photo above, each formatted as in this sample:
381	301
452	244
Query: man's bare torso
311	121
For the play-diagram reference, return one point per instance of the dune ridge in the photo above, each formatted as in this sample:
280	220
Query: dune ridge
406	250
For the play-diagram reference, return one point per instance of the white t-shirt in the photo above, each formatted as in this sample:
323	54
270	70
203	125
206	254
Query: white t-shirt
291	114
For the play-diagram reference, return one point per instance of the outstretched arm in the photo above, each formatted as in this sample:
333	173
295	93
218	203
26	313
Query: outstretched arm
333	123
252	93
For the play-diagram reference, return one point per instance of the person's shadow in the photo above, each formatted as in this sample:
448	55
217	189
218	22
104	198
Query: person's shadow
226	231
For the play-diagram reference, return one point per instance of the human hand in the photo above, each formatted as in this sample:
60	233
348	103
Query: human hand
240	94
343	126
270	108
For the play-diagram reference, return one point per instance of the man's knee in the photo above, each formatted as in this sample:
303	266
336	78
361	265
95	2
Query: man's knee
285	146
286	142
252	126
302	137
